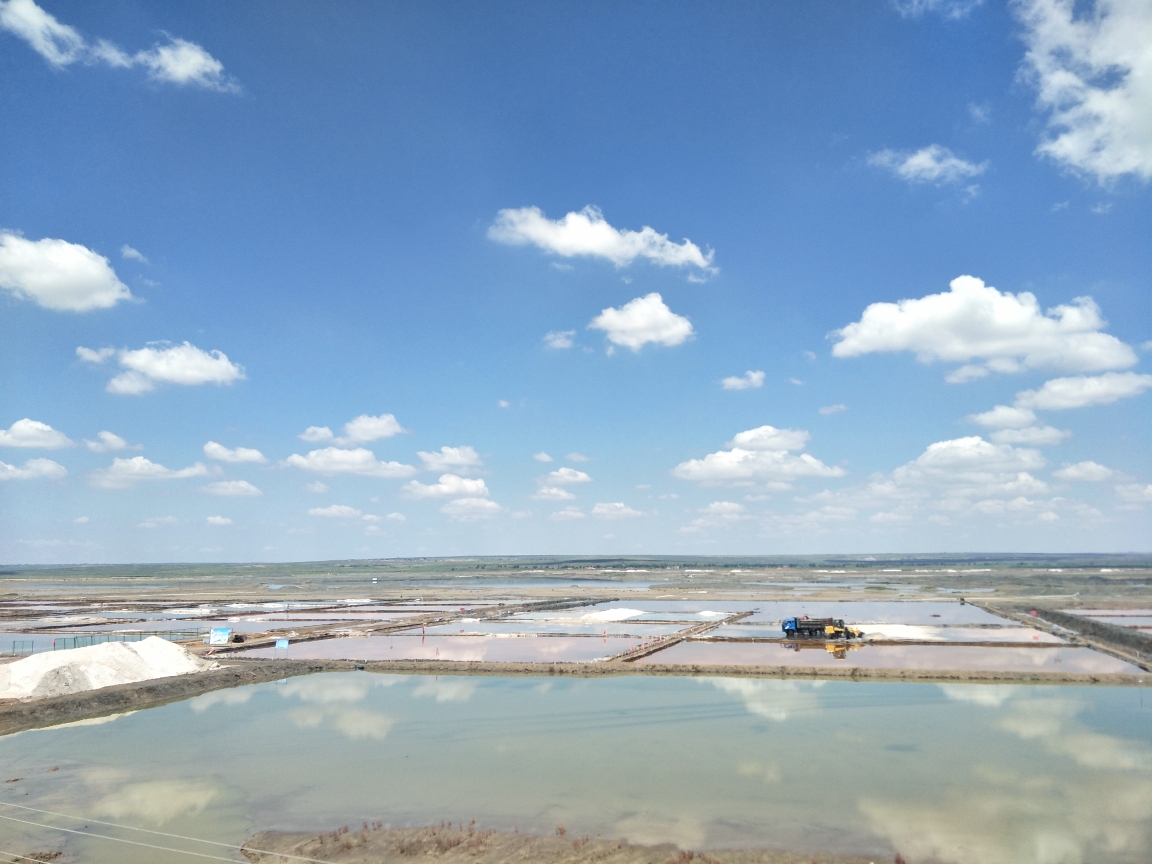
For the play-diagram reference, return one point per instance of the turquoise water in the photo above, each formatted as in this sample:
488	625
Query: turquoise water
970	774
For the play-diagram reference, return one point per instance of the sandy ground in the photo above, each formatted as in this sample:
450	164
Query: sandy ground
375	845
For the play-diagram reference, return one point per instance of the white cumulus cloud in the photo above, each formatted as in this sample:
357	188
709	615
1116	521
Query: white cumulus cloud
771	438
1081	391
567	514
106	442
124	473
931	164
643	321
336	460
471	509
219	520
1085	472
736	465
58	275
232	489
161	362
367	428
974	321
559	339
566	475
1092	71
717	514
336	511
241	454
979	465
449	486
34	469
460	459
542	457
587	232
614	510
178	62
748	381
1004	417
360	430
552	493
1037	436
1135	493
33	433
759	454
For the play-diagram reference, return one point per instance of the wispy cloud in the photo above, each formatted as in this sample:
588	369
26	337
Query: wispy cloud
748	381
932	164
587	233
176	62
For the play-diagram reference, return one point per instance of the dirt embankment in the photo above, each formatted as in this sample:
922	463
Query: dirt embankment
16	716
1101	631
1123	642
373	844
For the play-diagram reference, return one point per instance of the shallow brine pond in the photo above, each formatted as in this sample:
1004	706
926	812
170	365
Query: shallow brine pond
972	774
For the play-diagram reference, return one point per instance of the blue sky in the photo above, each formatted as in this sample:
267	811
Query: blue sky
371	280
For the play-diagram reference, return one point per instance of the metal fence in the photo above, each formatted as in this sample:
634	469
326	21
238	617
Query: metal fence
86	640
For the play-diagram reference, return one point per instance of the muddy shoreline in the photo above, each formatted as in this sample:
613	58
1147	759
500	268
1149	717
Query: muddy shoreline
373	844
22	715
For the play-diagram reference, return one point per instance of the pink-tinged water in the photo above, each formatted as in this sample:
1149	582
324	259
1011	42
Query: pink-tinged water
876	612
577	627
927	657
491	649
908	632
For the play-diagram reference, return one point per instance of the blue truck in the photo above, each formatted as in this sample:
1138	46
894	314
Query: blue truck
803	627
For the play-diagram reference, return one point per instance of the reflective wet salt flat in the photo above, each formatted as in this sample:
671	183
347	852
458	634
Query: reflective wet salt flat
964	774
890	612
577	626
950	633
928	657
491	649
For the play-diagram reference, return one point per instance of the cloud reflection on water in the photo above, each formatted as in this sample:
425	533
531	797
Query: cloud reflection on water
1099	810
153	801
776	700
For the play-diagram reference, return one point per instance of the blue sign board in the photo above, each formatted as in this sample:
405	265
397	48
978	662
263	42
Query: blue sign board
281	644
219	636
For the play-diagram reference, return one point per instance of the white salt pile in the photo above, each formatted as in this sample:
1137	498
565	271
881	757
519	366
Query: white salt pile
59	673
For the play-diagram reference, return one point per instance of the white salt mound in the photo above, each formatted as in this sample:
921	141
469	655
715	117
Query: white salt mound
59	673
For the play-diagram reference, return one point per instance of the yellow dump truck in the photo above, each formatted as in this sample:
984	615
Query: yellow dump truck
803	627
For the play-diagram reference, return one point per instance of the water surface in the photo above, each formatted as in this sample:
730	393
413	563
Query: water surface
964	774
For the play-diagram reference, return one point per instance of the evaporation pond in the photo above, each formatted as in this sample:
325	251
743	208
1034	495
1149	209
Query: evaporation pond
492	648
1038	657
963	774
